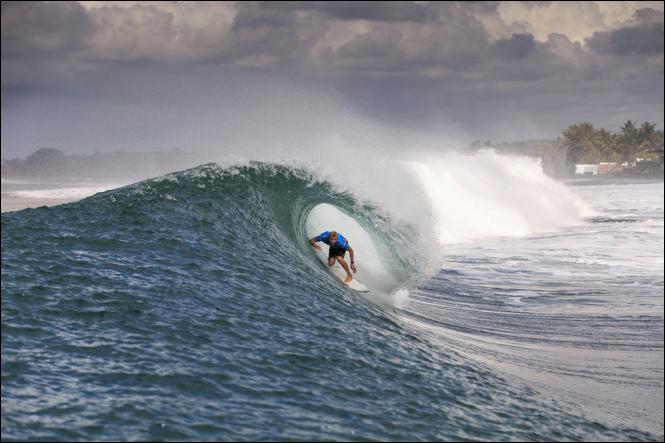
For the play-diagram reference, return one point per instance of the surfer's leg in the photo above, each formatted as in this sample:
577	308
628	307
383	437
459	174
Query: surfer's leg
342	262
331	261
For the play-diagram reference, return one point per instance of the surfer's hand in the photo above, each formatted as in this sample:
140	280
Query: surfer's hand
353	267
317	247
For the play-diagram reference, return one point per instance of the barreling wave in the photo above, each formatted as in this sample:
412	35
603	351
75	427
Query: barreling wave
259	205
272	209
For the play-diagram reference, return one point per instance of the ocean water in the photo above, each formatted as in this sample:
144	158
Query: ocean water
191	307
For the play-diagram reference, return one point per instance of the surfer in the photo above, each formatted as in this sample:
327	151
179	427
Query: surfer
338	247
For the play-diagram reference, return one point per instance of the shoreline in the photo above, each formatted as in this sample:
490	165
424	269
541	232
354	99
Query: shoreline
611	180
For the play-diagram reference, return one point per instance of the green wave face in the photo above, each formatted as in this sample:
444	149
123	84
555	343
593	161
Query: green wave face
255	206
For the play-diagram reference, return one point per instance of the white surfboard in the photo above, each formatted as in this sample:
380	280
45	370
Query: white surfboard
338	271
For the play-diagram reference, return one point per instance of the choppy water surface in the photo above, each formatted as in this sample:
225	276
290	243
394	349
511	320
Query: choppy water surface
191	307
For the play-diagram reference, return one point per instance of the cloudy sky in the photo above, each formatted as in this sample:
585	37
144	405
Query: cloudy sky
86	76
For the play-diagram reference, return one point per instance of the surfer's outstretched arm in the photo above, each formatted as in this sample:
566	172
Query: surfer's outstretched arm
312	242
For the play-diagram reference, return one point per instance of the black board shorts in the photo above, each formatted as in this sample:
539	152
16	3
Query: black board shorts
336	252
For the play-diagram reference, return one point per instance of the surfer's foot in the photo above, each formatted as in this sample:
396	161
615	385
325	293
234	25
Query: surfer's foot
349	279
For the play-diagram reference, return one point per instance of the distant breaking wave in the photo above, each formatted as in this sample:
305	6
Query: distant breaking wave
61	193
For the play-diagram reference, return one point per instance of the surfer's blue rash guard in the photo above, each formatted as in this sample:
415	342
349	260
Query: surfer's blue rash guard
325	238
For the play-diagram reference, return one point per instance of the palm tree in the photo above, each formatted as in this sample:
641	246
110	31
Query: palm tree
647	135
629	140
582	142
608	145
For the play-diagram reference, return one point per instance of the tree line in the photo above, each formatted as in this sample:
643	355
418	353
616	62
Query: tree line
586	144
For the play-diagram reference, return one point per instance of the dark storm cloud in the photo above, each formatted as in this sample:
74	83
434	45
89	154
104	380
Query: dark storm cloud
517	46
414	39
279	36
645	38
39	41
453	43
633	40
398	11
648	16
253	15
391	11
39	28
407	63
